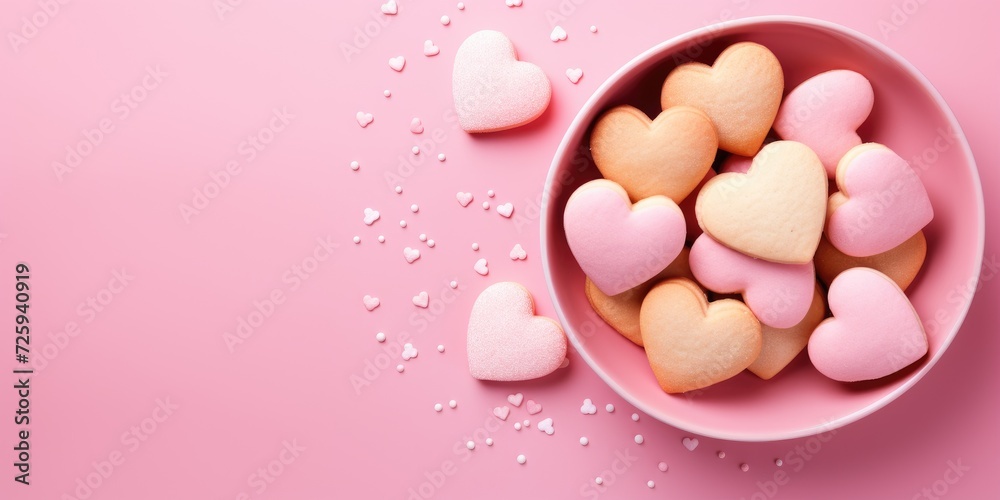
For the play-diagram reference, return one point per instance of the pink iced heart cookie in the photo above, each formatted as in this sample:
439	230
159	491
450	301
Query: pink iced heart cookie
494	91
507	342
874	330
881	202
617	244
824	113
778	294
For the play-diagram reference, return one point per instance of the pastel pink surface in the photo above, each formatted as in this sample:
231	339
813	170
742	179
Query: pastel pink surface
778	294
874	331
506	341
494	91
887	204
824	113
618	245
292	379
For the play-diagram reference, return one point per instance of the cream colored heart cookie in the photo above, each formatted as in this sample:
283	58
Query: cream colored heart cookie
901	264
621	311
781	345
741	93
692	344
667	156
775	211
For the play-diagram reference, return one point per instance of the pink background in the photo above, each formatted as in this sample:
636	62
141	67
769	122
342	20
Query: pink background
161	338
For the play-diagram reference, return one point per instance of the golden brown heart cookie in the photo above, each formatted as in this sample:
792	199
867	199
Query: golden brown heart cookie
775	211
692	344
621	311
668	156
781	345
741	93
901	264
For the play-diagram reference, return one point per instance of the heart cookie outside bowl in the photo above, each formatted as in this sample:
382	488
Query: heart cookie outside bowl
909	115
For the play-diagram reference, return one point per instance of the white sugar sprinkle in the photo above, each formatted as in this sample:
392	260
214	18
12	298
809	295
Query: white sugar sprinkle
521	459
415	150
445	20
440	348
399	189
402	223
475	247
355	166
438	407
639	439
381	239
453	403
380	337
357	239
486	205
387	93
414	208
470	445
584	441
489	441
635	417
422	237
610	408
400	368
442	157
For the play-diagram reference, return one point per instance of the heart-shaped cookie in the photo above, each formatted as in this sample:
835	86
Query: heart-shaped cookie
781	345
621	311
667	156
617	244
824	113
506	341
874	330
494	91
901	264
881	202
741	93
773	212
692	344
778	294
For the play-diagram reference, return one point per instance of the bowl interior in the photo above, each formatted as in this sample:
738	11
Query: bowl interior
908	116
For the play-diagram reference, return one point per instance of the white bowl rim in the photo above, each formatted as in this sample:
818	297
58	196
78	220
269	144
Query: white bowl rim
564	147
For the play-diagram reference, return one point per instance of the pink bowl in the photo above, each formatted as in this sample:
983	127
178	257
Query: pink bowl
909	116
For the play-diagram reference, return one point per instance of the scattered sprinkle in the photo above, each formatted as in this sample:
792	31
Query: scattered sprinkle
381	239
558	34
399	189
380	337
518	253
442	157
411	254
430	243
414	208
461	6
438	407
409	352
721	454
506	210
475	247
662	466
635	417
521	459
445	20
387	93
481	267
355	166
371	215
491	193
470	445
440	348
486	205
778	462
357	239
639	439
364	119
452	404
415	150
517	426
489	441
588	407
402	223
397	63
584	441
610	408
593	29
400	368
745	467
599	480
574	75
422	237
453	284
651	484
